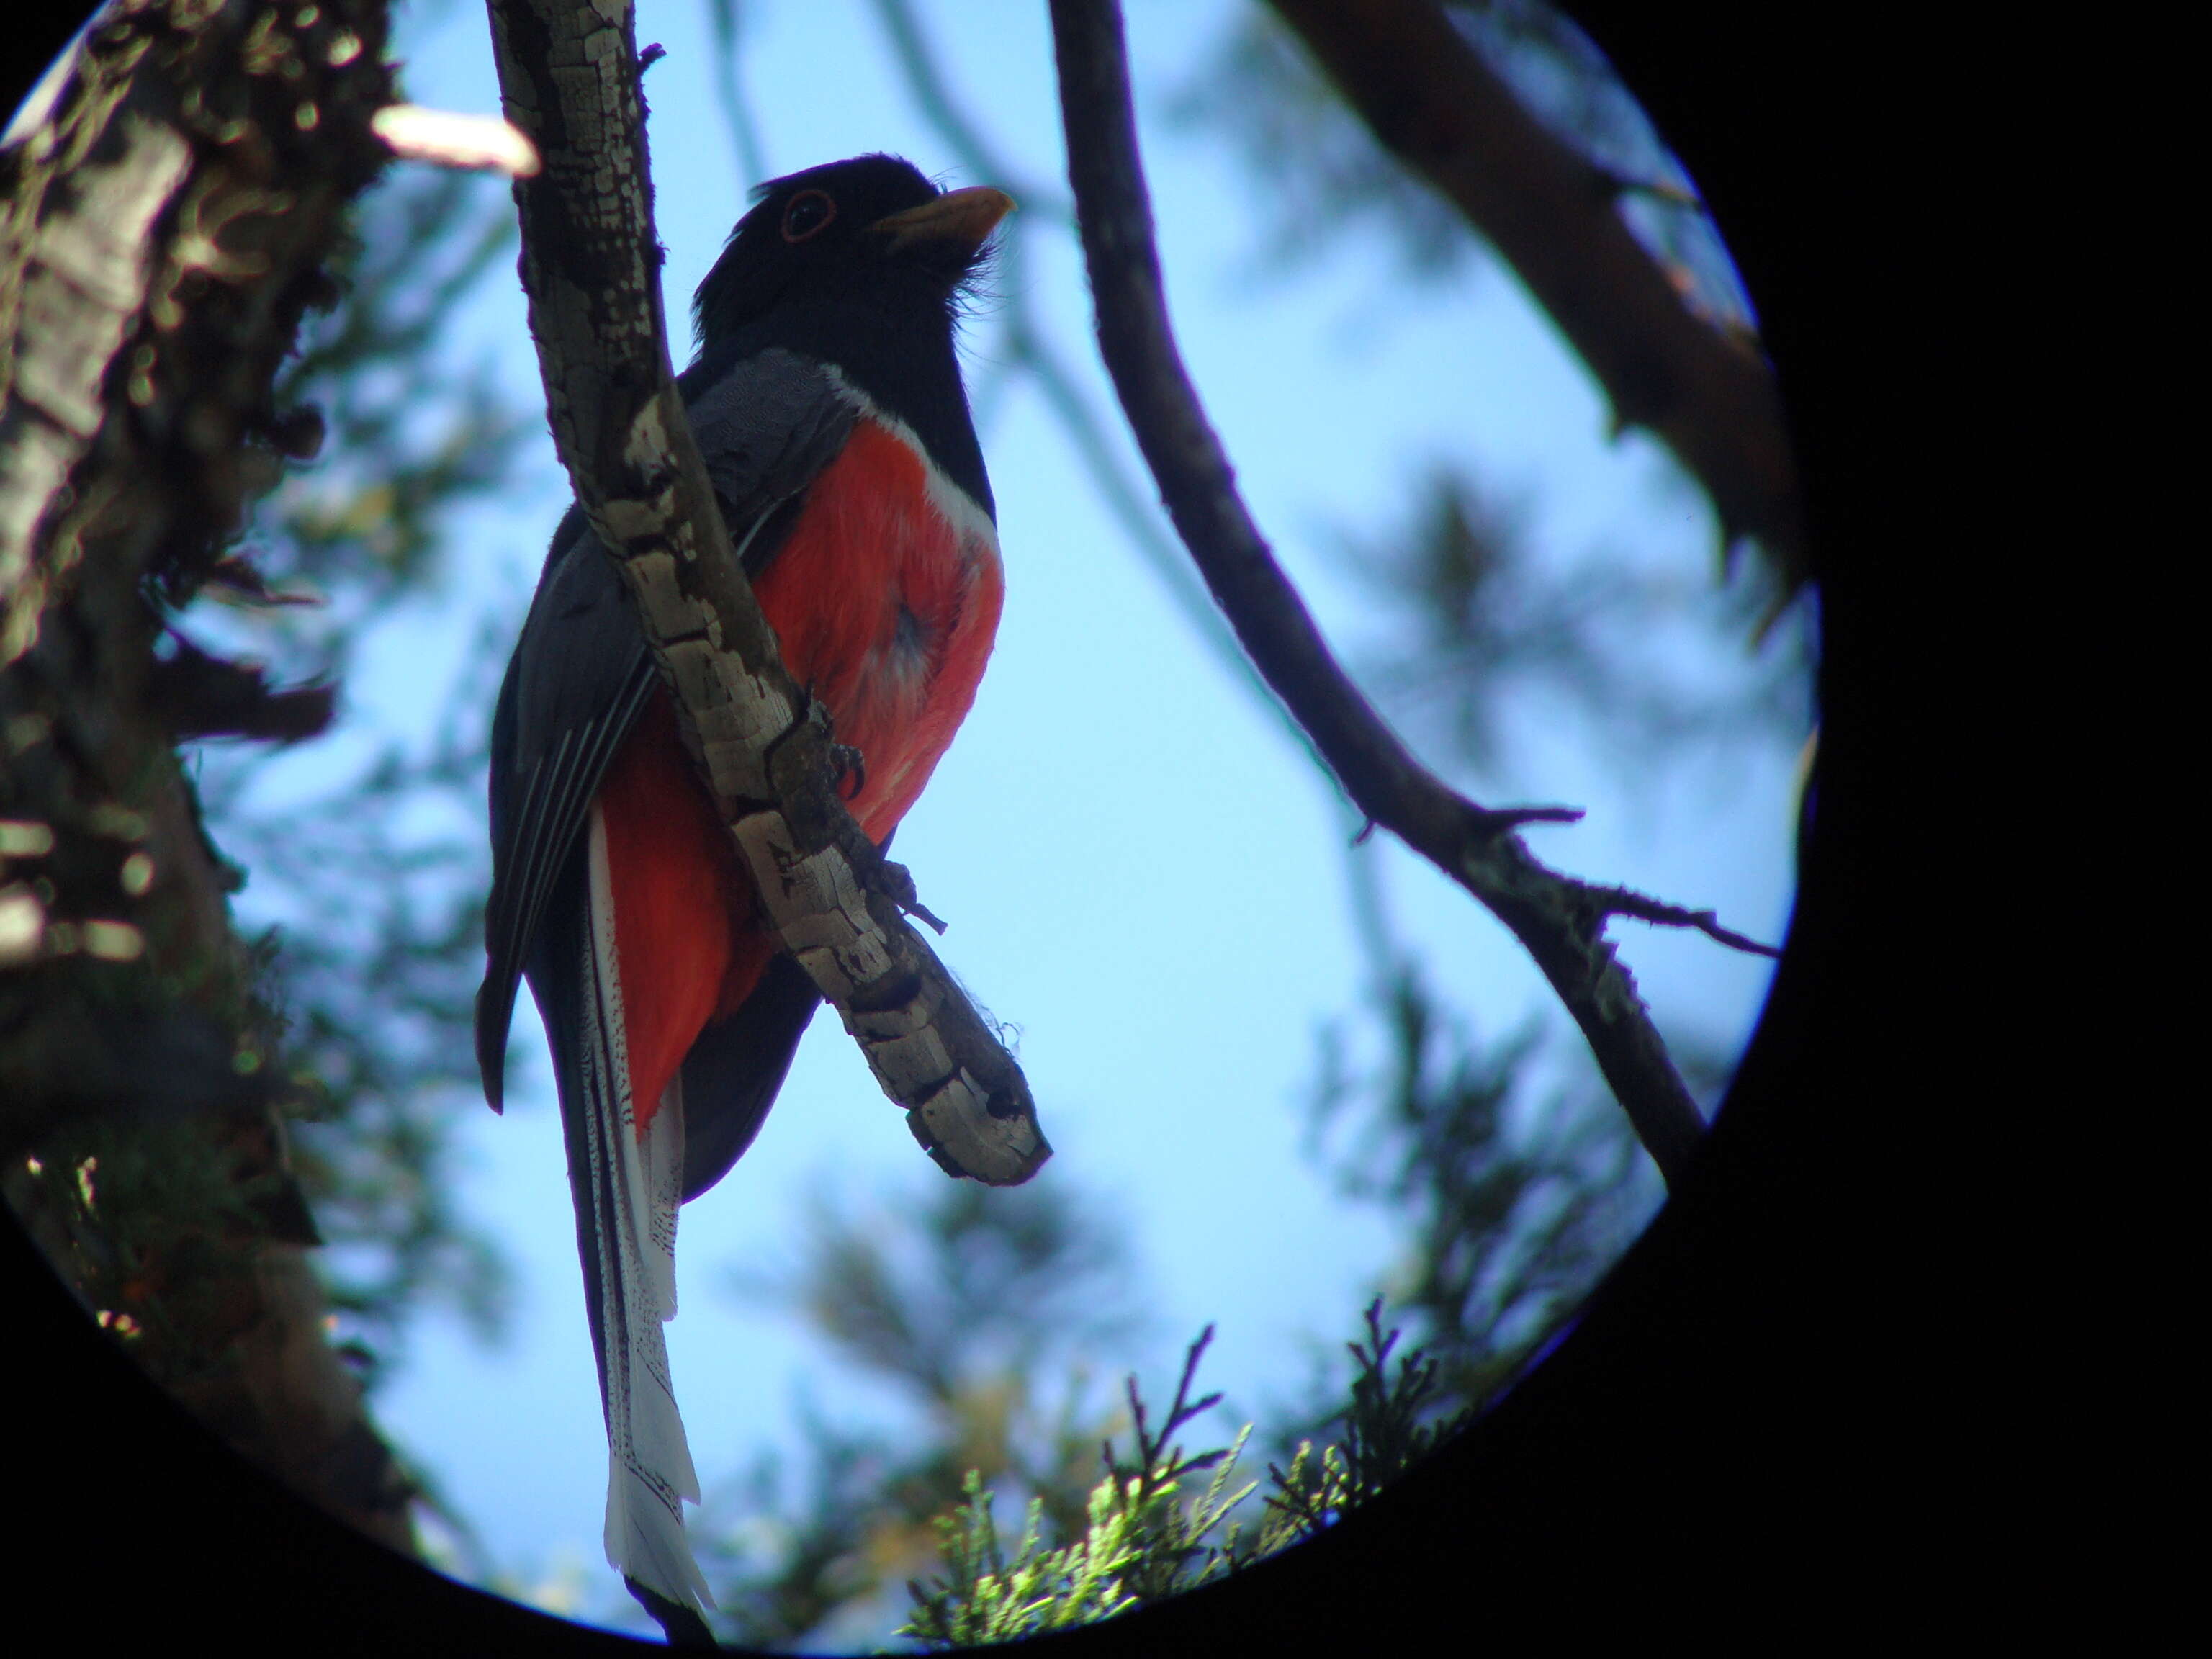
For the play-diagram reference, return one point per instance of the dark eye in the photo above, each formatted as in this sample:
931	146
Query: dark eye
810	210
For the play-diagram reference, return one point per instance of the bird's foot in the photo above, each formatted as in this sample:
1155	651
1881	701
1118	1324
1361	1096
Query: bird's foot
895	882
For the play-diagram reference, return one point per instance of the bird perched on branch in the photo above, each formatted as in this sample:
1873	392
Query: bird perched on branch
827	401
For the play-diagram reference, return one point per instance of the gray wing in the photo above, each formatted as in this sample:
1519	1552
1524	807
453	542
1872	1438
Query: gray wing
767	425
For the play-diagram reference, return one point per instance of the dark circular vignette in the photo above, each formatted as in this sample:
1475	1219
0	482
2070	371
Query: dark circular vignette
1732	1399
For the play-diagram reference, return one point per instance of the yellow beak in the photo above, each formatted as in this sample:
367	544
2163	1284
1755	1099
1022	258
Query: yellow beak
961	217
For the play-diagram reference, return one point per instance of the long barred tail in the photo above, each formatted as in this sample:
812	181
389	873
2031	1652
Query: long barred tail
627	1192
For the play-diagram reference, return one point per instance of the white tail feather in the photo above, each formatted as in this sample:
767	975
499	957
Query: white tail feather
636	1188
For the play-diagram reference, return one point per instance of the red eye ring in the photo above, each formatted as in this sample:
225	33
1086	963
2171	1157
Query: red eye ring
808	214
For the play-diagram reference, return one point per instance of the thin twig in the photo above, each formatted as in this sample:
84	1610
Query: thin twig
1624	902
1558	921
1151	1448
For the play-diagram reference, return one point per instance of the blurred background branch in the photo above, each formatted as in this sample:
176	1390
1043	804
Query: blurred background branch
1429	93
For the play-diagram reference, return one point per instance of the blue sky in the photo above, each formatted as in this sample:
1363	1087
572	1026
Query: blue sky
1141	871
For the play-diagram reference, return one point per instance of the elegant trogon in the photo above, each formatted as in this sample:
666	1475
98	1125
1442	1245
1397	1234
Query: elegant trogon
827	400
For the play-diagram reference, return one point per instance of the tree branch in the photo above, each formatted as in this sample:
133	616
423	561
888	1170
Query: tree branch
1558	921
1431	101
568	79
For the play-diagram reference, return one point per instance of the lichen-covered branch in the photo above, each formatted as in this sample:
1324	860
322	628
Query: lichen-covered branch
1558	921
1430	99
568	79
163	224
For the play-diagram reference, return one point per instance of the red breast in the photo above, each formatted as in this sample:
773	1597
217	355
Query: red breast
885	599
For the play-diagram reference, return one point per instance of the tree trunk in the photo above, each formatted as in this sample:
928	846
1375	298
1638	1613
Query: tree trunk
164	224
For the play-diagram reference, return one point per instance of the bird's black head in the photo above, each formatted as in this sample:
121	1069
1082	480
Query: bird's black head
871	233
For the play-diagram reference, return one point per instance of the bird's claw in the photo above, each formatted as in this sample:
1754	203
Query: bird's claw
895	882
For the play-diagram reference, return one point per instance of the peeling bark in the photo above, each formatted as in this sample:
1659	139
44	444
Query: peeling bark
568	80
163	229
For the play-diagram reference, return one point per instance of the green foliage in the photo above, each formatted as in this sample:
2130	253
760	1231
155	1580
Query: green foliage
1391	1424
1142	1540
985	1598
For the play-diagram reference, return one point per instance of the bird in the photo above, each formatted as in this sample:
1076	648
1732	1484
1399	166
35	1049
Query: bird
827	400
